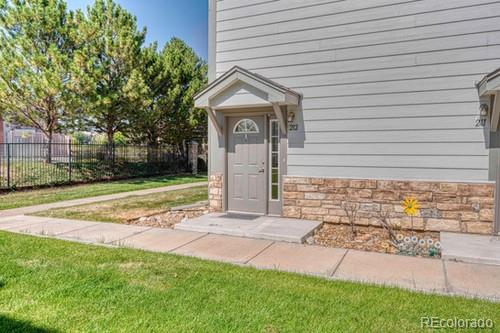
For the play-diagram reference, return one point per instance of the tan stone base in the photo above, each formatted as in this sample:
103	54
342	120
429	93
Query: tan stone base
444	206
215	184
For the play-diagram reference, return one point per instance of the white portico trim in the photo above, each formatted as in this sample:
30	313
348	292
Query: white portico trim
489	94
489	86
247	166
239	88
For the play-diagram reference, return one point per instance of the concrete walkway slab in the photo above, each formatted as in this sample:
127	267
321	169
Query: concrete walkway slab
299	258
53	227
471	248
284	229
473	279
8	223
161	240
104	233
216	223
432	275
224	248
263	227
100	198
388	269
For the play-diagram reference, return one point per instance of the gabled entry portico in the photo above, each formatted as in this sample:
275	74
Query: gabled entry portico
248	140
489	93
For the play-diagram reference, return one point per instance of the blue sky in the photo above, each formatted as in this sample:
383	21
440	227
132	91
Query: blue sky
186	19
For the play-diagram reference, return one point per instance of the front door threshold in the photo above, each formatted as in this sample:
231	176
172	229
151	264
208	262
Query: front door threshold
235	212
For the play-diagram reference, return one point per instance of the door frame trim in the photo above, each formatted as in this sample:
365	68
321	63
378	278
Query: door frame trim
496	214
249	112
228	132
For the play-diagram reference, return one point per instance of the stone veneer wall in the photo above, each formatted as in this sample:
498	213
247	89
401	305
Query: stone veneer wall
445	206
215	183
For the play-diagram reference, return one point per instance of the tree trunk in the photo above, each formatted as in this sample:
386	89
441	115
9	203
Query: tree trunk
153	146
110	133
152	152
49	147
110	145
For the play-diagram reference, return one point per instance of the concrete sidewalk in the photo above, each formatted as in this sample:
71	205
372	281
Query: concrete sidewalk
100	198
429	275
476	249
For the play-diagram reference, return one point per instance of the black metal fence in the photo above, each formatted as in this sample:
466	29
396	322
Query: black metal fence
40	164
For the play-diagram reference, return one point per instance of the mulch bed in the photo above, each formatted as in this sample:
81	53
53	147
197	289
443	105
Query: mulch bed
368	238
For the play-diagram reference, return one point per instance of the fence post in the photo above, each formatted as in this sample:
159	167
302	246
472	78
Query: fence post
8	165
193	157
69	159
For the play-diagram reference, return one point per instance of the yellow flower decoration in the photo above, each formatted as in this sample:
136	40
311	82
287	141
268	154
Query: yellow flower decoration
410	206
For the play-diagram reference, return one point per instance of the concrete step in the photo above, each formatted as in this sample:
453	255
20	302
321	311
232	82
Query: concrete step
477	249
261	227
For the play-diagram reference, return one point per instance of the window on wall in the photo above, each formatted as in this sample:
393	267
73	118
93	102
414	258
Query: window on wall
245	126
274	174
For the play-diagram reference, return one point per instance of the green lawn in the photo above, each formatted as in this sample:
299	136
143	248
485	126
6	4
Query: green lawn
118	211
48	195
55	286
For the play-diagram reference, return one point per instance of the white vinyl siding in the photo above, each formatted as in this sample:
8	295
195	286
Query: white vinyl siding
388	85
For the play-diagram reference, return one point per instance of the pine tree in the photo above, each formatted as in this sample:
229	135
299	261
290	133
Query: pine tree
187	74
110	60
165	112
36	57
148	122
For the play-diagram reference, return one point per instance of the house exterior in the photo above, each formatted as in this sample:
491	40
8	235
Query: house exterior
314	103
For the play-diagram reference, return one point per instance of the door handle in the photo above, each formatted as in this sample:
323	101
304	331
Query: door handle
261	170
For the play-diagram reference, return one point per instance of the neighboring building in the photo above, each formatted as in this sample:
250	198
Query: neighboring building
11	133
314	103
29	141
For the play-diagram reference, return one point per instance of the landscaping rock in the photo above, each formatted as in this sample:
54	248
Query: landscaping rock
310	240
367	238
170	218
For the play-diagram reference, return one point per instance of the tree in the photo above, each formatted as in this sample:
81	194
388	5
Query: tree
148	122
36	58
165	112
110	59
187	74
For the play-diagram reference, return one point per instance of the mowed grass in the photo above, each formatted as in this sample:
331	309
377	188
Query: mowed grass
47	195
121	210
58	286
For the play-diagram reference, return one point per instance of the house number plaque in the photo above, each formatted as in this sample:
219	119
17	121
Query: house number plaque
480	122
